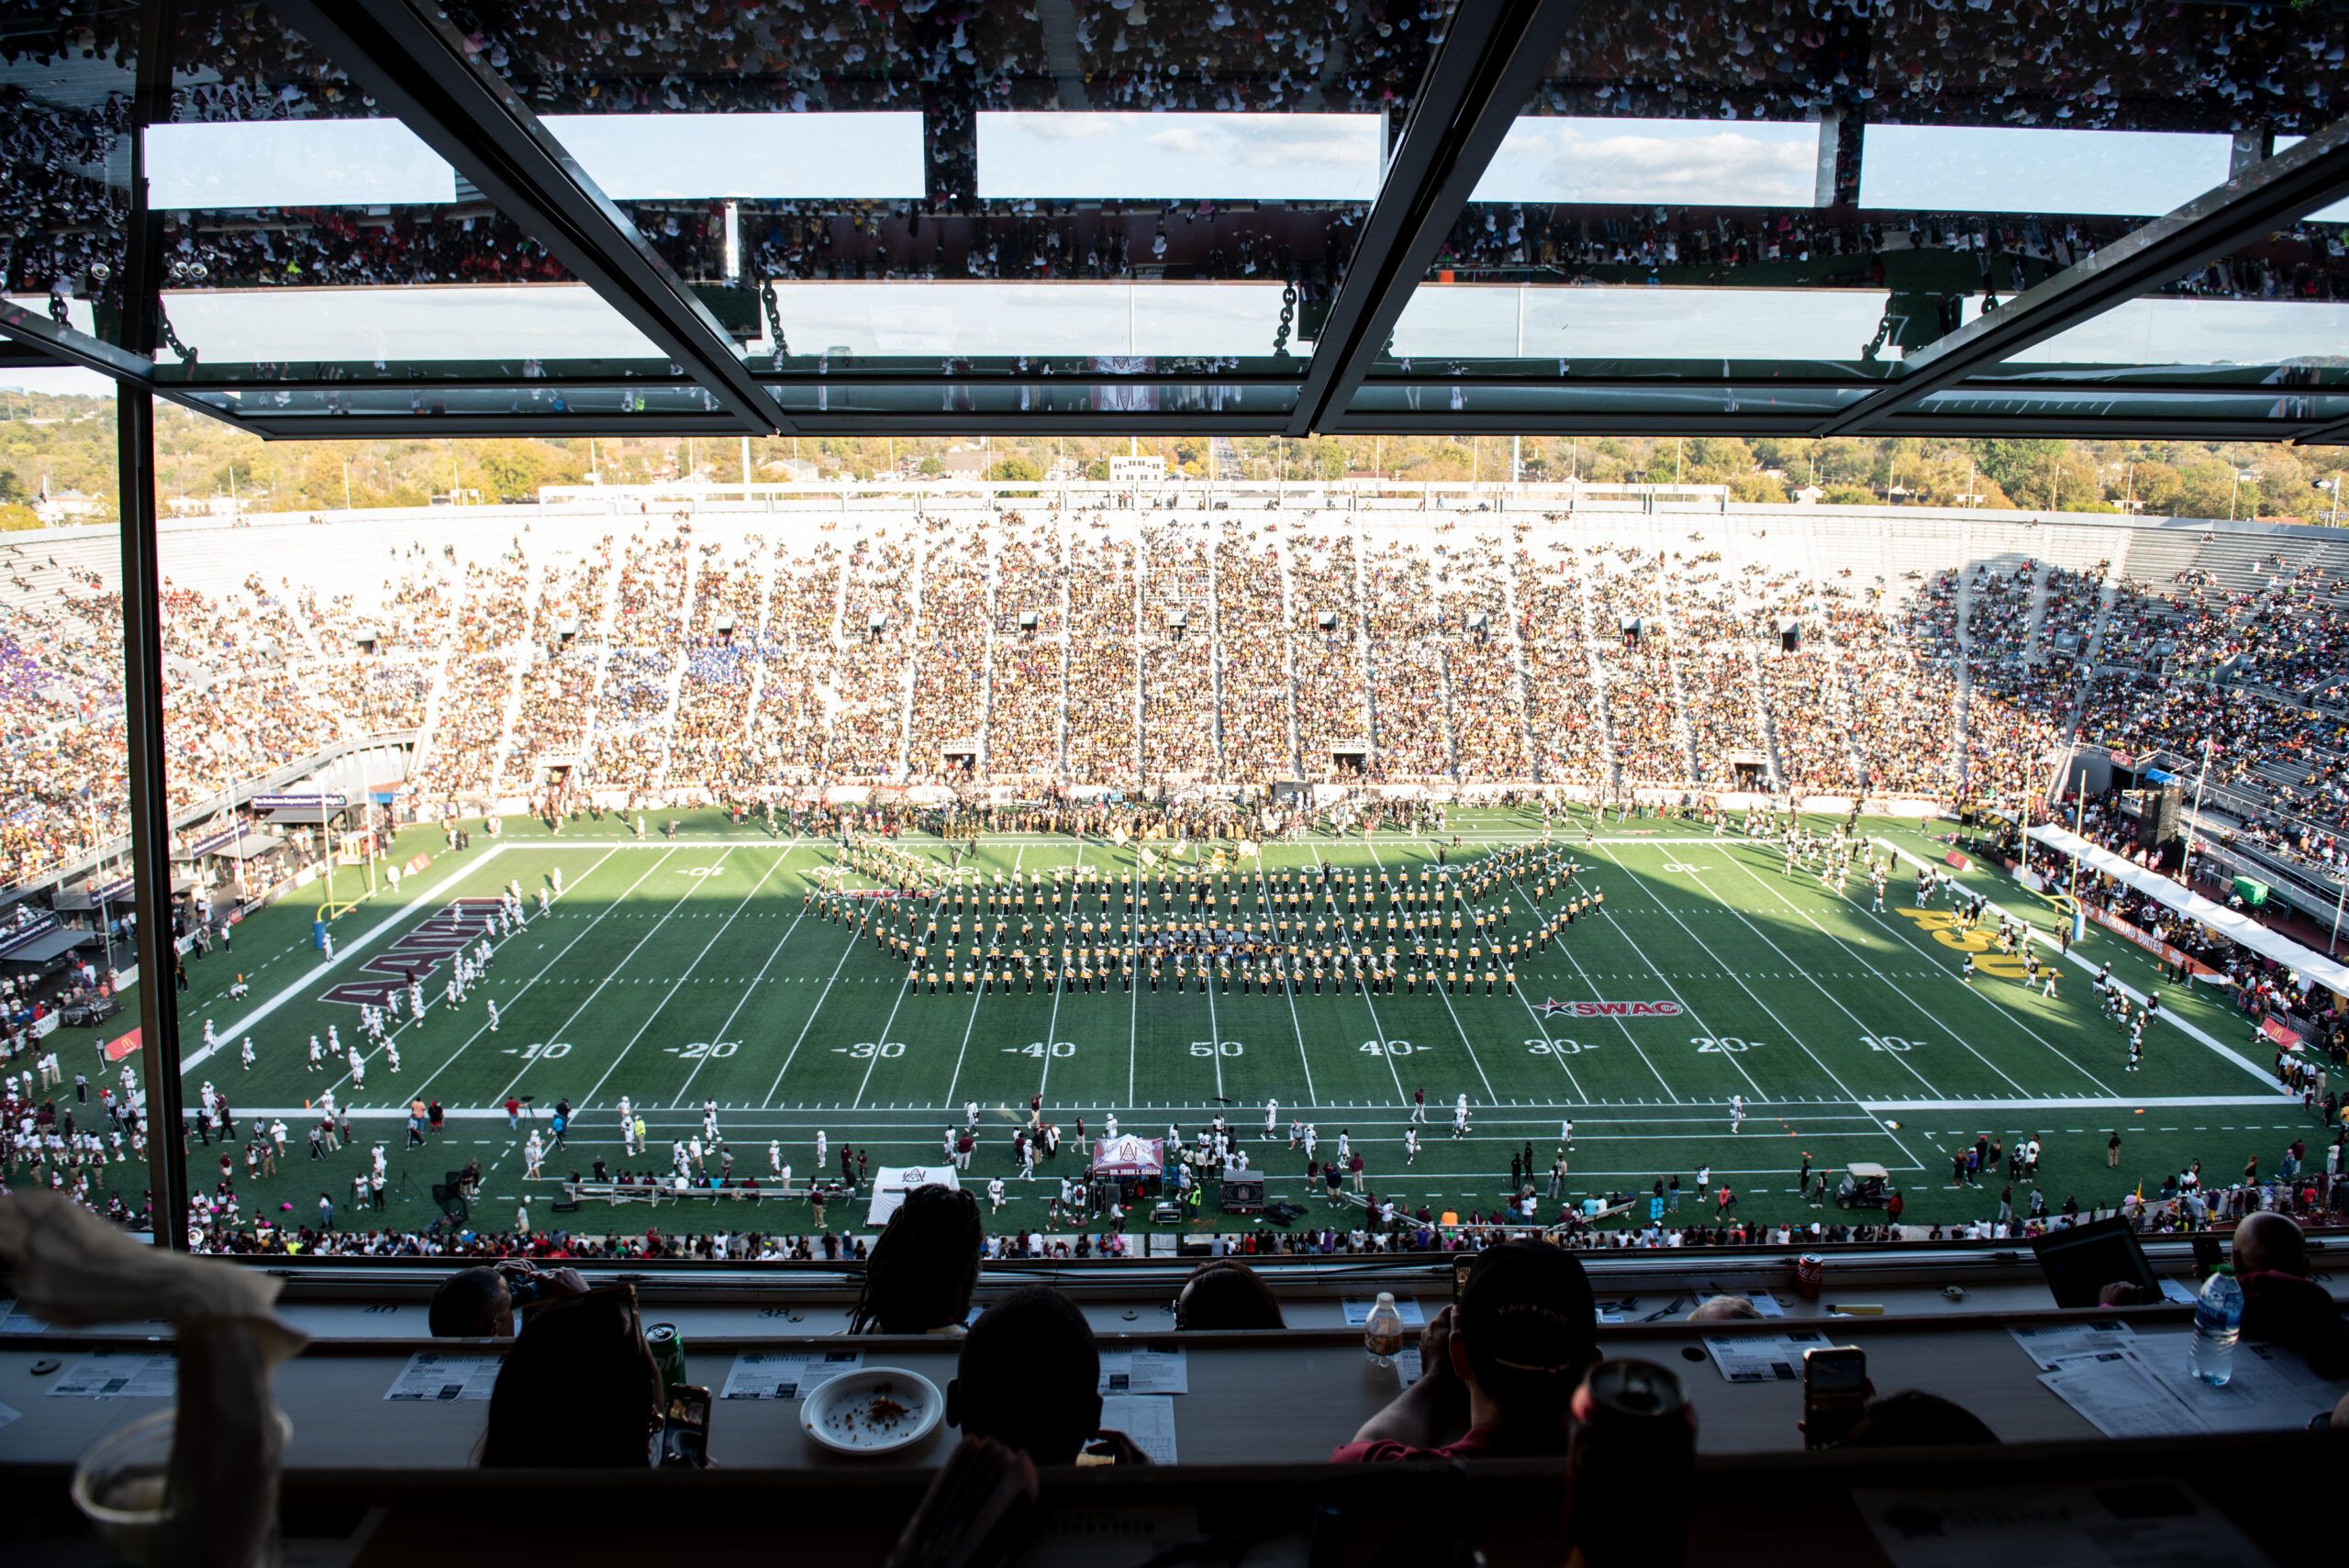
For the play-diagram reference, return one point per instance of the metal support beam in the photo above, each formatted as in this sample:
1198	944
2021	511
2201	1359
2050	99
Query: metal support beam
1493	55
142	663
416	68
2259	200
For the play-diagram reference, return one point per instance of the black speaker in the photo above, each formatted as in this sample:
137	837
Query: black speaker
2168	814
566	1206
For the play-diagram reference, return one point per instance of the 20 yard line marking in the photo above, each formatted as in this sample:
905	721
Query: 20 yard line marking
589	1097
1641	882
761	974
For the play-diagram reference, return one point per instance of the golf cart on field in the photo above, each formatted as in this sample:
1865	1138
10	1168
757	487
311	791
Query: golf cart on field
1864	1186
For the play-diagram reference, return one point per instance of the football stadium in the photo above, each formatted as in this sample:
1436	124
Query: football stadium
915	751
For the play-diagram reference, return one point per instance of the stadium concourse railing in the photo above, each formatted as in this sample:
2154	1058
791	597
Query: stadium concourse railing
115	851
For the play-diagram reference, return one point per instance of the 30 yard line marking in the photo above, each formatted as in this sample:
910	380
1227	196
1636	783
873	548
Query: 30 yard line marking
808	1023
1629	1038
1548	1039
954	1081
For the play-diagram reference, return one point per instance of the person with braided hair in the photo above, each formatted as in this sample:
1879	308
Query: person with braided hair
923	1267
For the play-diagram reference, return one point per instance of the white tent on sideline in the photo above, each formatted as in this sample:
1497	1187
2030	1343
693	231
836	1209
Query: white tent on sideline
2313	967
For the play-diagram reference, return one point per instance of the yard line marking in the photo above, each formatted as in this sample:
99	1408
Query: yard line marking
1548	1039
1922	1011
424	905
1447	1008
957	1078
1264	901
675	986
1629	1038
1799	1042
484	1029
744	999
2193	1030
1722	902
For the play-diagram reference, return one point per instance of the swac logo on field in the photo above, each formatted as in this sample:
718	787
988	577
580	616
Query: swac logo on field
420	951
1551	1009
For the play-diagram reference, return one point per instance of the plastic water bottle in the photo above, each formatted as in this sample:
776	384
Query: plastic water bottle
2217	1320
1382	1332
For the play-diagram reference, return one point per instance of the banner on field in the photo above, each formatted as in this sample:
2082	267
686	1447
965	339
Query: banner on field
418	863
126	1046
1956	862
2282	1033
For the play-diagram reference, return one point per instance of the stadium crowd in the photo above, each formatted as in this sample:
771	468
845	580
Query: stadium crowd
1051	651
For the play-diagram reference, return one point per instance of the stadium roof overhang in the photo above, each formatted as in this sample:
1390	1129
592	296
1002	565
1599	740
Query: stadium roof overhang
387	217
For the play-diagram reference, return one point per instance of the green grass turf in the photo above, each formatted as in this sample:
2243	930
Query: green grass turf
679	972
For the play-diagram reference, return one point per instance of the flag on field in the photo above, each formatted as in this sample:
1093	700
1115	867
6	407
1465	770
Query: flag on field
1249	849
1181	847
1120	835
1148	859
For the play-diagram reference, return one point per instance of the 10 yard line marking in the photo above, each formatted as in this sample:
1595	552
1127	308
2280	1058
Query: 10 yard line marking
1641	882
1904	996
541	974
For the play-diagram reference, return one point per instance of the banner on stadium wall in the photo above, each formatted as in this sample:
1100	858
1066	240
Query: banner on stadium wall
2147	940
44	1025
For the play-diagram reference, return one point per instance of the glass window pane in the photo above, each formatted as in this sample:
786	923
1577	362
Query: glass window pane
305	235
65	882
1919	162
1078	143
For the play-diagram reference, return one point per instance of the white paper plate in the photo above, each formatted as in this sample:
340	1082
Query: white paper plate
851	1414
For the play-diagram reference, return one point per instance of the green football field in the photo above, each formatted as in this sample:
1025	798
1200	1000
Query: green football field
679	972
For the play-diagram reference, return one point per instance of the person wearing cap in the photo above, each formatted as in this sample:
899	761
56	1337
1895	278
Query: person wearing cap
1504	1363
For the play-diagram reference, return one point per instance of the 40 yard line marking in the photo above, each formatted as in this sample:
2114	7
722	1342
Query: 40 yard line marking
1447	1008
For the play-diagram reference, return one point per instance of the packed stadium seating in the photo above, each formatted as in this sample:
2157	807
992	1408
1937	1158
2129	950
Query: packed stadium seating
672	649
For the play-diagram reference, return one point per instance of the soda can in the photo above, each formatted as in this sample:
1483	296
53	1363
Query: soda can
668	1352
1630	1468
1810	1273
